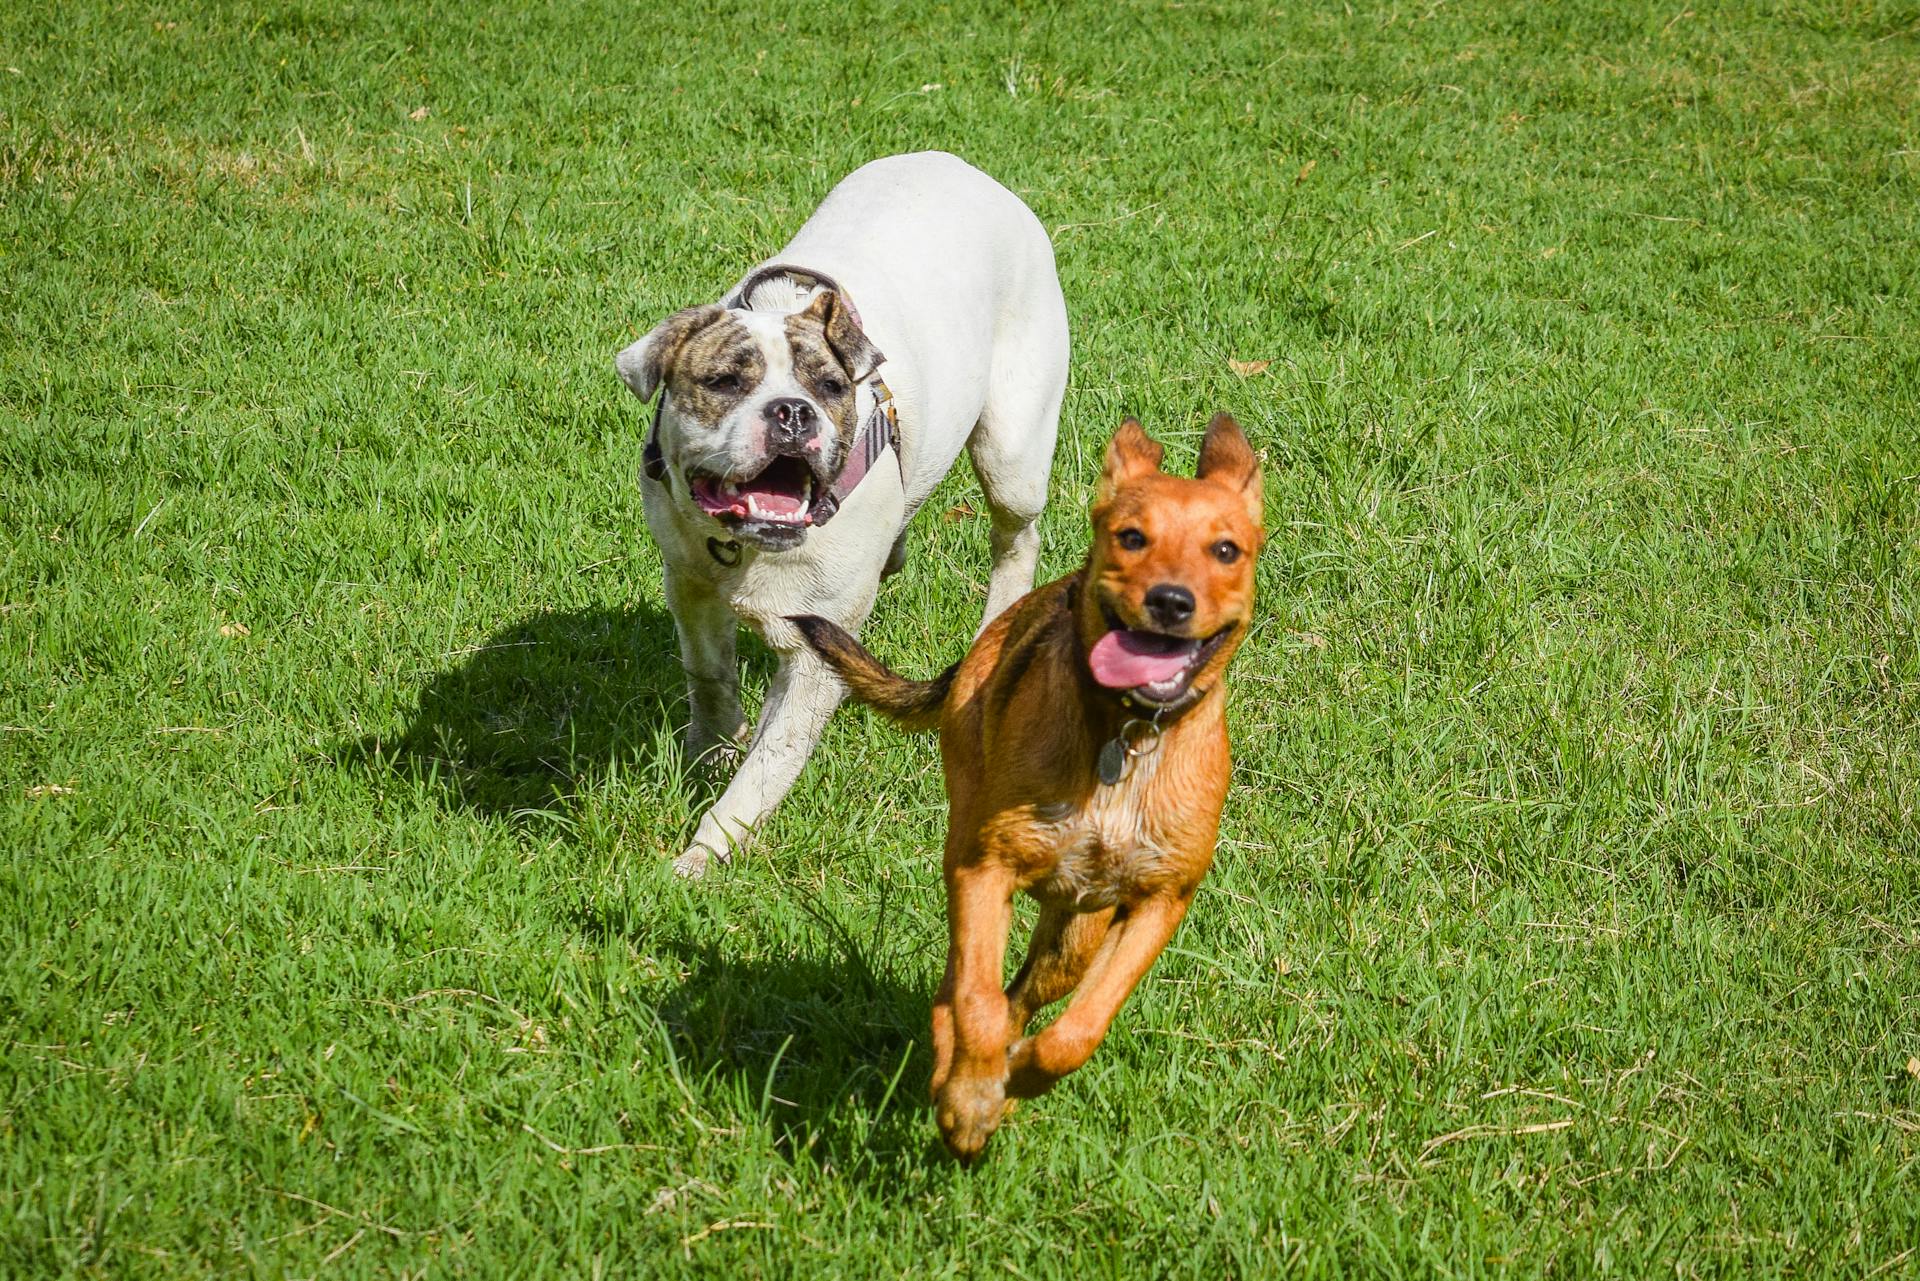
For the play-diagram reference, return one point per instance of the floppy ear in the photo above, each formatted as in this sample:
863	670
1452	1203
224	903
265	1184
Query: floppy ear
1131	455
845	337
644	364
1227	459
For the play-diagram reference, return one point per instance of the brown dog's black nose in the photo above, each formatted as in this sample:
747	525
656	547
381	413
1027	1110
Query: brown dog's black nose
1169	604
789	422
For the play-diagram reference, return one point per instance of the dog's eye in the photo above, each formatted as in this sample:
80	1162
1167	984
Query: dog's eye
722	382
1131	539
1226	551
832	386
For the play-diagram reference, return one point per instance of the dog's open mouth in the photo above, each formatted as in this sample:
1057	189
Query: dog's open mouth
1152	666
782	495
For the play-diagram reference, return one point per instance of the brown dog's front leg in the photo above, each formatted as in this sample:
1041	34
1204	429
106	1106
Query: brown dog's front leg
943	1029
1131	945
969	1100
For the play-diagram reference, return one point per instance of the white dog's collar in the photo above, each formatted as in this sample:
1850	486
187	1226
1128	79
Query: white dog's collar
742	299
879	431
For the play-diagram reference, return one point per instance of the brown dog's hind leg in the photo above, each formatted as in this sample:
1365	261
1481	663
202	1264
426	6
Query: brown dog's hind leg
1064	944
1035	1063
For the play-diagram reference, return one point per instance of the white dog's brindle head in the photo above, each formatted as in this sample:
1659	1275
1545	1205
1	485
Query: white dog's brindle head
758	412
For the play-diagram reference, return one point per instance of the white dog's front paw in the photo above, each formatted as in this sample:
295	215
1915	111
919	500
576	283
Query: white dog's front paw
694	862
708	847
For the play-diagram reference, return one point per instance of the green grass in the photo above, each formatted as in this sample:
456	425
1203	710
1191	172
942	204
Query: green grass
1566	919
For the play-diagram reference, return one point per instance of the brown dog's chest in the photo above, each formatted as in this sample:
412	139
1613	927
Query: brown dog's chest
1107	852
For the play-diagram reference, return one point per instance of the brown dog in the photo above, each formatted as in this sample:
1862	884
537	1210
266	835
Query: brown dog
1085	744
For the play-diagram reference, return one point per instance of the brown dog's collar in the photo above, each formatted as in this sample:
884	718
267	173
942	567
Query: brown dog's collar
1164	713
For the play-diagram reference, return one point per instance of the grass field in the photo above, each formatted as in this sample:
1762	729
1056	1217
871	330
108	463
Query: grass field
1566	919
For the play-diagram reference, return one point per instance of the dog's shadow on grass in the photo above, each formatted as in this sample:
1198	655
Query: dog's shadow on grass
829	1045
543	708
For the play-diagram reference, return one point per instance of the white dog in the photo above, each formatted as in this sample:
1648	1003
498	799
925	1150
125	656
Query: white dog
788	452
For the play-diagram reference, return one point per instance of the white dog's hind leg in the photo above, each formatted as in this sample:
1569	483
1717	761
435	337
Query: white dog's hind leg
1012	452
800	700
708	630
1016	554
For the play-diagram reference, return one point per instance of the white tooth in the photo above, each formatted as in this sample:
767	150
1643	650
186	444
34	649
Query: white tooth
730	489
753	507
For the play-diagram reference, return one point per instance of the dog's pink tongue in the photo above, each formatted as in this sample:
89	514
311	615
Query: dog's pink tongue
773	502
715	503
1124	659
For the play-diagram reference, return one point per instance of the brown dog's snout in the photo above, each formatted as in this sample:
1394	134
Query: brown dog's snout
1169	604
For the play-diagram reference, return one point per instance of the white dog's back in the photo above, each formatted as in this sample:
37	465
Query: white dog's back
928	231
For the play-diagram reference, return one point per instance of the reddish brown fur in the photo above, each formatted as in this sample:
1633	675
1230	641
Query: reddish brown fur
1021	728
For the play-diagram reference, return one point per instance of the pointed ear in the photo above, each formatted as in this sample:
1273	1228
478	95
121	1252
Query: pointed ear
1131	455
1227	459
644	364
845	337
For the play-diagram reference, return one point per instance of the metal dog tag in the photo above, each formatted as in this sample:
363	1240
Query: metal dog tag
1113	761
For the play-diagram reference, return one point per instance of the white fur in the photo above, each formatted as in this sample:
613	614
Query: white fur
954	281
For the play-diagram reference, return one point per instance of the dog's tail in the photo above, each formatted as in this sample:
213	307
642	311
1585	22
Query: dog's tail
915	704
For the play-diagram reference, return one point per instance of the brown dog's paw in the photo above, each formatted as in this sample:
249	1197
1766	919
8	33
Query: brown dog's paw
968	1112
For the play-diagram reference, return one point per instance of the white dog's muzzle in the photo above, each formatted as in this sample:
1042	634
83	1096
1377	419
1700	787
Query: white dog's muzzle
779	531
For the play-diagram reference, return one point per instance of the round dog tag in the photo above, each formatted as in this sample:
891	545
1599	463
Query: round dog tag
1113	761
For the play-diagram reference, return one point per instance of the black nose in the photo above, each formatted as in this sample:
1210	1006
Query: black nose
789	422
1169	604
